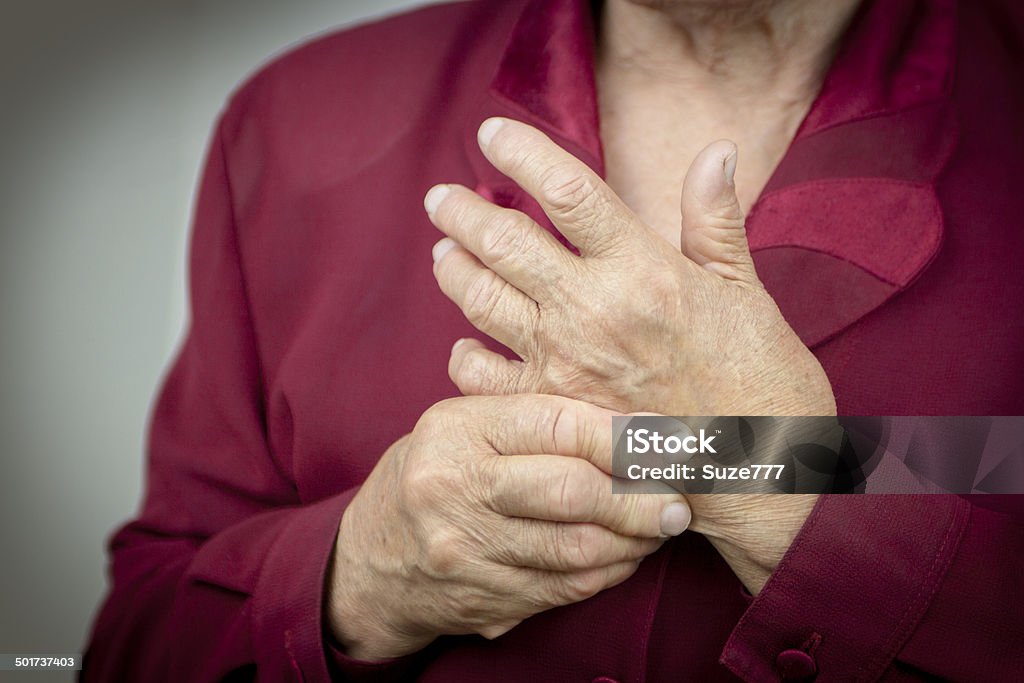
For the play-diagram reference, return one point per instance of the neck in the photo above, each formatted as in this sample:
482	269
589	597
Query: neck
743	48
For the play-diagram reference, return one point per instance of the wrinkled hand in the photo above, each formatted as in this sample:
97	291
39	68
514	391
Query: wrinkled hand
493	509
631	324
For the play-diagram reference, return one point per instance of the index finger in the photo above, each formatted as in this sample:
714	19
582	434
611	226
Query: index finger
538	424
559	489
578	201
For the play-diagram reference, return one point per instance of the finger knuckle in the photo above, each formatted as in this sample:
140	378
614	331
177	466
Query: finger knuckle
725	213
586	543
436	424
480	376
482	298
573	496
563	424
471	374
443	554
550	547
429	476
579	586
639	515
567	190
503	237
662	299
440	413
727	219
500	493
421	481
484	476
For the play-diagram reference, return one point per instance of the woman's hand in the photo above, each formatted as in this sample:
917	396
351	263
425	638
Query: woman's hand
491	510
631	324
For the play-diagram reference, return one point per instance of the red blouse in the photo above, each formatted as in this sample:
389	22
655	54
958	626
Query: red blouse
890	235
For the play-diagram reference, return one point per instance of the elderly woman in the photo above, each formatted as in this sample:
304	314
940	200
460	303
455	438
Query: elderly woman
744	207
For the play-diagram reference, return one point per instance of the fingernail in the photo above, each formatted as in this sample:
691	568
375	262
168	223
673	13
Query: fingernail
454	357
675	518
729	169
434	198
441	248
487	130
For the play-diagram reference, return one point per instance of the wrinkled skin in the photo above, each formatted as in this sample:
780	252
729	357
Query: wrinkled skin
631	324
493	509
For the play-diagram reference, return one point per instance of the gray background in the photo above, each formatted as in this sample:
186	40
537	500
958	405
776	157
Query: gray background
106	108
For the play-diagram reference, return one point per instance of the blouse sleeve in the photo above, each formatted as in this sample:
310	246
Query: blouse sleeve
890	588
222	572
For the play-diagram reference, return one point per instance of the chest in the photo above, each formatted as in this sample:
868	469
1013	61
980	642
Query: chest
650	139
355	335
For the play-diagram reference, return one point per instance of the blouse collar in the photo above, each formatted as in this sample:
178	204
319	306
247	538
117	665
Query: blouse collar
850	216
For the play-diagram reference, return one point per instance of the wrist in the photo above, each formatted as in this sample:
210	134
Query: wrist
358	615
753	573
752	532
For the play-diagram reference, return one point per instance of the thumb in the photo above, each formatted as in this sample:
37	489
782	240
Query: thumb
713	233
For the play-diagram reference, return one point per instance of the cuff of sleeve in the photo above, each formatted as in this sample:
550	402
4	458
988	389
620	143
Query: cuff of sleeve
288	598
851	589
